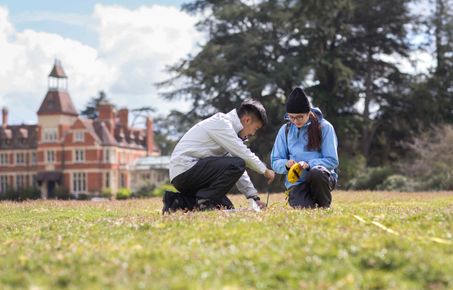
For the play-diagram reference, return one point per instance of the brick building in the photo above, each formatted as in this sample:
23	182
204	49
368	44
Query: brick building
63	149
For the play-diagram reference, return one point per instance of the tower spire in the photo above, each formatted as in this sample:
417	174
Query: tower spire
57	100
58	81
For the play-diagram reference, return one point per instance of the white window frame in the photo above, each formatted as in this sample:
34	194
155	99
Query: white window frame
79	136
33	158
123	180
50	156
20	181
4	158
20	158
50	135
34	180
107	180
79	155
107	155
3	183
79	182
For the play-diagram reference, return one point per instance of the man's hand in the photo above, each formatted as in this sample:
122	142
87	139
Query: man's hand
270	175
261	204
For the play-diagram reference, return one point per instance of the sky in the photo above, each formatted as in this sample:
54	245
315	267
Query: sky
120	47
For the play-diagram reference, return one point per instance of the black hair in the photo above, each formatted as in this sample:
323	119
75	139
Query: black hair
255	108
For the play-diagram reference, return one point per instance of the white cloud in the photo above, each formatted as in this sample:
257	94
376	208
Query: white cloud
134	48
418	62
66	18
141	43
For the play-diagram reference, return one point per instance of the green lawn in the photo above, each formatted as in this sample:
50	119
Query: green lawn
367	240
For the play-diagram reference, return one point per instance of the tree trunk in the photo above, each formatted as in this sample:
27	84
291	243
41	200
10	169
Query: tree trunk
367	129
438	31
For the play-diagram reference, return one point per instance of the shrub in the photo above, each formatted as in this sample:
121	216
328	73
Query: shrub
123	193
30	193
62	192
432	159
159	191
369	178
349	168
144	191
440	179
83	196
10	194
106	193
397	182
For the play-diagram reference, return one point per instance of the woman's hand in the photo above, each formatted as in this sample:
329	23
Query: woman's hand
304	165
289	163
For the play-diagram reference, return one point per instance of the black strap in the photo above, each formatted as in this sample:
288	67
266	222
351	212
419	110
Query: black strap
288	125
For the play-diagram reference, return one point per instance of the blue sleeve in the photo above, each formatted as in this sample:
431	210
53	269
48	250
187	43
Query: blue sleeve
329	146
279	155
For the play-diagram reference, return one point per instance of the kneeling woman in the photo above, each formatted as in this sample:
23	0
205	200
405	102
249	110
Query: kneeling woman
305	149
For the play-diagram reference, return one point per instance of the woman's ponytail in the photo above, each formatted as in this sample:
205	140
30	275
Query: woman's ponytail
314	133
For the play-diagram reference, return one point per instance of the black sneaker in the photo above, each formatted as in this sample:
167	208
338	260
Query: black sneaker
168	200
205	205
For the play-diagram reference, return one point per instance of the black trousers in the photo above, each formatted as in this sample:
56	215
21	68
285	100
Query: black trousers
210	179
315	191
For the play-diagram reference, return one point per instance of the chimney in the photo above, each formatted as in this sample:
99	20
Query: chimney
4	117
149	136
123	115
107	115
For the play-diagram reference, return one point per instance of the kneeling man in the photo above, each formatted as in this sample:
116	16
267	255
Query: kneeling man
211	158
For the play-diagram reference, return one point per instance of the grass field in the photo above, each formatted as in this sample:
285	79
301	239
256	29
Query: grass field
367	240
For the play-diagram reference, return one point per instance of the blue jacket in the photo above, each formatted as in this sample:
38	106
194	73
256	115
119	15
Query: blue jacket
296	149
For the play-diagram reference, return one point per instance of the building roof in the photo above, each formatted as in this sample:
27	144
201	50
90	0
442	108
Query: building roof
122	137
49	176
57	70
57	102
129	137
103	133
154	162
19	137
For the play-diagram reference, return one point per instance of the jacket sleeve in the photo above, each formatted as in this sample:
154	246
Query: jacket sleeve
224	135
279	155
245	185
329	146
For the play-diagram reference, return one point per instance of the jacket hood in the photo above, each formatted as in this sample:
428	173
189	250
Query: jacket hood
318	113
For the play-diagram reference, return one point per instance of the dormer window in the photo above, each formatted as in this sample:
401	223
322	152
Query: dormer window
8	136
79	136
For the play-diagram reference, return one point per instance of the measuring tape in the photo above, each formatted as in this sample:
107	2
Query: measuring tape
393	232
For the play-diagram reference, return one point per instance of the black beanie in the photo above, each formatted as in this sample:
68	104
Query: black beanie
297	102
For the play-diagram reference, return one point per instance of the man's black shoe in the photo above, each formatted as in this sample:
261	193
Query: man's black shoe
205	205
168	200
